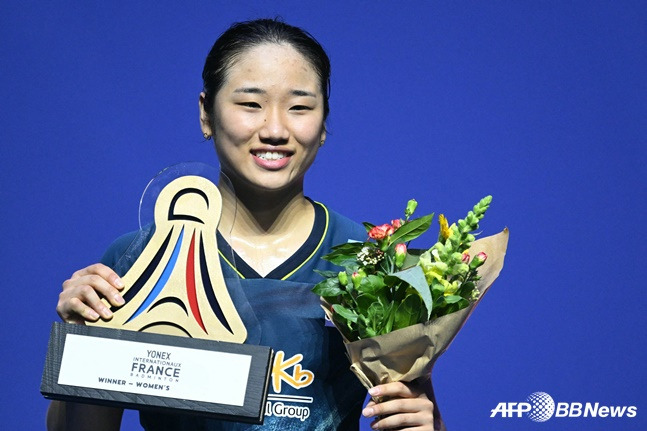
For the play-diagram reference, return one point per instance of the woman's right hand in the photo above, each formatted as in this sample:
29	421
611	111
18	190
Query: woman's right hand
81	297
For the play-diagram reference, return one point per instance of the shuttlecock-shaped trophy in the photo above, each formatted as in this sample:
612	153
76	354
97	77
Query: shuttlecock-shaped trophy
176	286
177	342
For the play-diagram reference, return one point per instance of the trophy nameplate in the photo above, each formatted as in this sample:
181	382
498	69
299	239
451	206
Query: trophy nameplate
176	343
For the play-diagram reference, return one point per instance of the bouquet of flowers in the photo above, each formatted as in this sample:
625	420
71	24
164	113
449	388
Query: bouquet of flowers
398	309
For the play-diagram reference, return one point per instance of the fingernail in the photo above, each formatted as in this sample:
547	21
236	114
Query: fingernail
374	391
119	283
106	312
93	314
119	299
367	412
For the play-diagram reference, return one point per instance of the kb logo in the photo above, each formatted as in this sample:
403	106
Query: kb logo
539	407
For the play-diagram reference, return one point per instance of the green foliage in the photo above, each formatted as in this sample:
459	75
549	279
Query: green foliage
415	278
408	312
412	229
329	288
344	254
373	296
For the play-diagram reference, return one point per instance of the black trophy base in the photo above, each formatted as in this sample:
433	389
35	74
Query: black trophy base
136	370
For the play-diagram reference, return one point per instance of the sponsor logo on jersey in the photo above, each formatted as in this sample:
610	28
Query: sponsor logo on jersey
289	371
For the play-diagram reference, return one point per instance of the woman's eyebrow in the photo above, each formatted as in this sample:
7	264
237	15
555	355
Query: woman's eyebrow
303	93
251	90
256	90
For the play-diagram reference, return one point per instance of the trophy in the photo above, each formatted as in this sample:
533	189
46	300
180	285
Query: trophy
177	342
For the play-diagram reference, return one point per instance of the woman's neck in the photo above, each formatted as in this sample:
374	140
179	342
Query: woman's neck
265	228
251	212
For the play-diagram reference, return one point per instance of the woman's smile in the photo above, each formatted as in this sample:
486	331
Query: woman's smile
272	159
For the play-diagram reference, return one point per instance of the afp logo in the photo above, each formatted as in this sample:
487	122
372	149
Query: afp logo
540	406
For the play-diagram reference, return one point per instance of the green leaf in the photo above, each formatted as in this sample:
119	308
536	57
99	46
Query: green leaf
365	331
364	301
328	288
455	306
416	279
375	312
344	253
371	284
345	312
412	229
466	289
412	257
378	316
326	274
388	327
408	312
451	299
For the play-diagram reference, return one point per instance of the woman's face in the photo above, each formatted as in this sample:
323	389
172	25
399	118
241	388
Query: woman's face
267	120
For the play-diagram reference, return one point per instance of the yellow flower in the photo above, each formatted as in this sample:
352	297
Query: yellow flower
450	288
432	269
445	231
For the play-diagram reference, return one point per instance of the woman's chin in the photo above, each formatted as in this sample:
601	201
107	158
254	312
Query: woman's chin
273	184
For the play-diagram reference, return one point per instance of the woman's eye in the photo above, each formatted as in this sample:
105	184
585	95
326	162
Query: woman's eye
301	108
250	104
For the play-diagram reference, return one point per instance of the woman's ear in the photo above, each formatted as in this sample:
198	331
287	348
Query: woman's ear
205	120
323	136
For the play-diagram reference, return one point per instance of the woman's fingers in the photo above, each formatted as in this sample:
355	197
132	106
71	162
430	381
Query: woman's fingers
82	293
394	389
407	413
102	271
405	407
399	405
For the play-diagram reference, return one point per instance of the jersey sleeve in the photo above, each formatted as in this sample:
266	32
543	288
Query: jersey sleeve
125	250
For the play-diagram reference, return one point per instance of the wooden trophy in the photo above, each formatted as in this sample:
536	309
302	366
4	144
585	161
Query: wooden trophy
176	343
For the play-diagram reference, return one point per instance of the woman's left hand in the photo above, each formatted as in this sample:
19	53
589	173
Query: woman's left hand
406	407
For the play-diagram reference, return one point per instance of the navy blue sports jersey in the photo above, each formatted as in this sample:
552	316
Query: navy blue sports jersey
311	386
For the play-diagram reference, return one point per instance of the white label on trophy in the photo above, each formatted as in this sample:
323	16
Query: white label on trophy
154	369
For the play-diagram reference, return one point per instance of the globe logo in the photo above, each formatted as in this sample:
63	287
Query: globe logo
543	406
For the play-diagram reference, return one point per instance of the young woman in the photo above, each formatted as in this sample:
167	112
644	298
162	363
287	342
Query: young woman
265	102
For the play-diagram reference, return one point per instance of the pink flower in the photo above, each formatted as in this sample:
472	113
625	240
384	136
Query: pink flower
400	254
356	278
381	232
478	260
466	257
396	223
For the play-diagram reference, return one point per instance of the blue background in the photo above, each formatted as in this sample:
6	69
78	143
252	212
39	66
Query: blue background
541	104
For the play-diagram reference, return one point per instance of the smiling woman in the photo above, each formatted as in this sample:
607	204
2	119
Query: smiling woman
265	101
267	120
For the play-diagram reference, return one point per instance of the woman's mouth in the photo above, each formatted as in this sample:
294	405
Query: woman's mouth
269	155
271	160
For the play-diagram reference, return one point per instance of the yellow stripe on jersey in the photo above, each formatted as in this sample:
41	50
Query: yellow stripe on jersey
318	245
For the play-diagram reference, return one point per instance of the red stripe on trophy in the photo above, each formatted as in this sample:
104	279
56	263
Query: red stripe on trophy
190	284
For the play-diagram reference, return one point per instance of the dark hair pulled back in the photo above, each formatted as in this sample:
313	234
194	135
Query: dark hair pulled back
242	36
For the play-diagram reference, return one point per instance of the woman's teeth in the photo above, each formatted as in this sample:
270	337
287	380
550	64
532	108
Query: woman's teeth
270	155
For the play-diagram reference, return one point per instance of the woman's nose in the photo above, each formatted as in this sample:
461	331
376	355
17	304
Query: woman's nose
274	128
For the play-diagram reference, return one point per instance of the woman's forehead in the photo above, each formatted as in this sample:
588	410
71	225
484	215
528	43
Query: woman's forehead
272	65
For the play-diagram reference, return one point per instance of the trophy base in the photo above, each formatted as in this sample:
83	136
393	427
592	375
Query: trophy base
137	370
